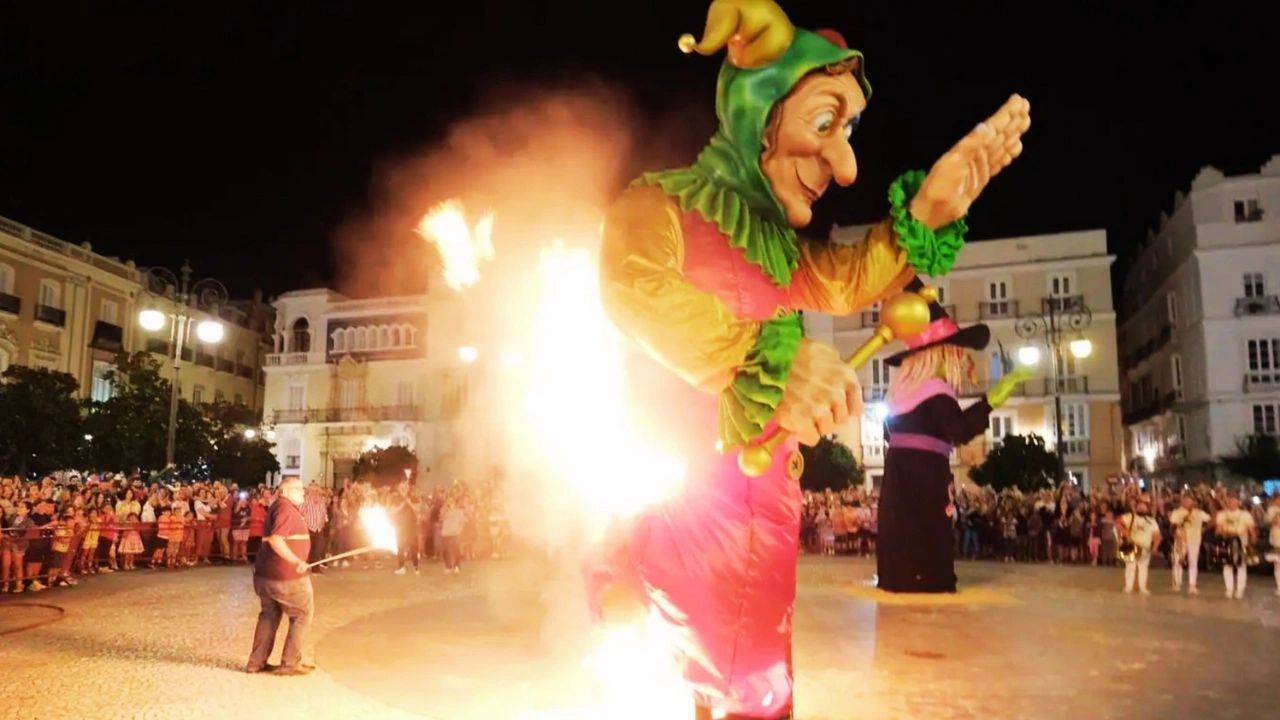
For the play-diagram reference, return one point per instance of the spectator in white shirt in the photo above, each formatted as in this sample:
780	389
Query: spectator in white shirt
1187	521
1236	527
1140	529
1273	521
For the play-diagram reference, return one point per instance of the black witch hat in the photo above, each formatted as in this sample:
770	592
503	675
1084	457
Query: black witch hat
941	330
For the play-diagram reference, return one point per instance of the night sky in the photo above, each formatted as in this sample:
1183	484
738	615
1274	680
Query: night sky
243	135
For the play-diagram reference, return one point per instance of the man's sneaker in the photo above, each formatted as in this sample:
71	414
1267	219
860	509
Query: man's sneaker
399	571
1128	591
1145	591
35	586
300	669
268	668
1193	591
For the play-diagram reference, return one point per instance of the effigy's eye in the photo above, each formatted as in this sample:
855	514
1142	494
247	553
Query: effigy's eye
851	126
824	121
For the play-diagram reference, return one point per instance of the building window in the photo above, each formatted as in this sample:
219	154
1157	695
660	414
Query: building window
362	340
1001	425
1079	477
1248	210
219	396
239	400
197	395
1254	287
998	298
293	452
296	398
109	312
101	388
349	393
395	336
49	294
1171	307
300	336
339	341
6	279
996	367
1264	419
404	393
1175	374
1060	285
1264	360
1182	430
1075	421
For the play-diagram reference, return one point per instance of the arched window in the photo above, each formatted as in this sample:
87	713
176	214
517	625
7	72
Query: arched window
395	336
362	340
300	336
384	336
339	341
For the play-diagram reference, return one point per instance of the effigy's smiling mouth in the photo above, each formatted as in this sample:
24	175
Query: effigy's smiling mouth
813	194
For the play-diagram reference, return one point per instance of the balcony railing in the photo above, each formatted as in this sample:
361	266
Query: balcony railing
1062	303
1262	381
996	309
1075	447
1259	305
10	303
293	358
82	252
1075	385
353	414
107	336
226	366
51	315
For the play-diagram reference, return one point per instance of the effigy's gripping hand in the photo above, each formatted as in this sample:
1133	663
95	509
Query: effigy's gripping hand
961	174
822	392
1004	387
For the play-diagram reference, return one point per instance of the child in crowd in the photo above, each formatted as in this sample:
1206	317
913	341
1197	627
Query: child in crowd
240	530
86	560
131	542
13	547
164	528
63	529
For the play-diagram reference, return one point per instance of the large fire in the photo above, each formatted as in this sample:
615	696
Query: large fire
461	247
568	403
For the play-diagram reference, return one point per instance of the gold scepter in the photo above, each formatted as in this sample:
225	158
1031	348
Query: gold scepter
904	315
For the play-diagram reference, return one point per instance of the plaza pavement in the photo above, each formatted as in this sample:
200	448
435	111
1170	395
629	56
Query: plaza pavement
1019	641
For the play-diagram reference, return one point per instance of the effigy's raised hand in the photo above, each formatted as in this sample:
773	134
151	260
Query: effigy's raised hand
961	174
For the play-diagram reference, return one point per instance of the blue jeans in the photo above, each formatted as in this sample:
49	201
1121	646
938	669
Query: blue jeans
970	538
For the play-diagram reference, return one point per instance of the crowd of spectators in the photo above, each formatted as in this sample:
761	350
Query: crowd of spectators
1060	525
58	529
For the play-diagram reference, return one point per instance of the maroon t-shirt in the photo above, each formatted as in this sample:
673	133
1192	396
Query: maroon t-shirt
284	519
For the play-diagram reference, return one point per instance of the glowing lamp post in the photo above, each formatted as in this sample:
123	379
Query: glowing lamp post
1057	316
184	297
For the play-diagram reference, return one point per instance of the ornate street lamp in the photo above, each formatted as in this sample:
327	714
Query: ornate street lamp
1057	316
185	297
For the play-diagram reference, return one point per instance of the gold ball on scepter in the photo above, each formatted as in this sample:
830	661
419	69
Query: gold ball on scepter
907	313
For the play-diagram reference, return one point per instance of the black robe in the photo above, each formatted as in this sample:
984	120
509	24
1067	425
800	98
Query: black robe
915	548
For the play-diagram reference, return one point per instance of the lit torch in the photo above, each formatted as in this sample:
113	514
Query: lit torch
382	534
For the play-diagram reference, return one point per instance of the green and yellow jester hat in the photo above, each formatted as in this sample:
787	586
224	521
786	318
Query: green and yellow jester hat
767	58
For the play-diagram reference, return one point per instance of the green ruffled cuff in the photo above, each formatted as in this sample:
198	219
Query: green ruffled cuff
930	252
747	405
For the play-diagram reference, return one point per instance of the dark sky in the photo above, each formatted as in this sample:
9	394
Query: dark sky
243	134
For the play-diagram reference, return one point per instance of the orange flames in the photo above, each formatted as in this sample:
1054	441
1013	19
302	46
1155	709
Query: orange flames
462	248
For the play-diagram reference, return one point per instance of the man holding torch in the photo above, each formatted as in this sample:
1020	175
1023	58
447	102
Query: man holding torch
282	581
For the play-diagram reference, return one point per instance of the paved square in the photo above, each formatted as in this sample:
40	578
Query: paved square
1019	641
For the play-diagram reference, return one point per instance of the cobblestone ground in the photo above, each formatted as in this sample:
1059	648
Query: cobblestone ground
1019	641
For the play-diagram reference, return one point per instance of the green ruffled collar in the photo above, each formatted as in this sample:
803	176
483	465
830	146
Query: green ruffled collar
719	187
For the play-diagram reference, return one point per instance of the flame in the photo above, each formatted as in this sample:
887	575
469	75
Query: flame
382	534
577	402
461	247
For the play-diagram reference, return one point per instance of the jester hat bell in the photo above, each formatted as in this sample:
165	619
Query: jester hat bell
942	330
767	58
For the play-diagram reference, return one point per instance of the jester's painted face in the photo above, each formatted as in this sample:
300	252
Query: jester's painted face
807	144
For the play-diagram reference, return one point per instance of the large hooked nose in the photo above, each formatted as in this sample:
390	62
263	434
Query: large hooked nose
838	154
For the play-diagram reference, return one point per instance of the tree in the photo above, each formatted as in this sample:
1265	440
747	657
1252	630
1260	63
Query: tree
1257	458
41	429
386	466
131	428
1021	461
246	460
829	464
